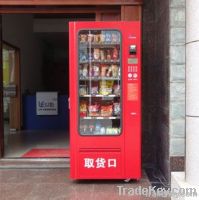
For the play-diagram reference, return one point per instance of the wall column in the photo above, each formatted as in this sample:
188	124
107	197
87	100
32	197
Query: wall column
190	178
192	92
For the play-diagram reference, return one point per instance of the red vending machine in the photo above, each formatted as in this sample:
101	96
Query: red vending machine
105	100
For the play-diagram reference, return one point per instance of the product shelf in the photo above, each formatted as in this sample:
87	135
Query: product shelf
100	95
101	117
99	78
100	61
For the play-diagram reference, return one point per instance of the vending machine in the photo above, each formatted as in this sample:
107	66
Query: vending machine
105	100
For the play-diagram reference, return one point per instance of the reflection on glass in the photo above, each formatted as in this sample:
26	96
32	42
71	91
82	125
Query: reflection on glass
99	82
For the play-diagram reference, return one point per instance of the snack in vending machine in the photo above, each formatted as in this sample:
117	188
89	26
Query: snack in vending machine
97	127
107	110
116	108
96	70
116	89
109	72
90	37
115	54
85	70
108	37
83	38
114	71
119	72
102	37
94	109
83	109
112	131
83	56
90	56
114	37
102	55
106	87
96	38
104	69
81	71
94	88
108	54
83	127
82	90
96	54
91	127
102	131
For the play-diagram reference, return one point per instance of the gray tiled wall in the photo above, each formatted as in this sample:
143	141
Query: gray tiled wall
177	77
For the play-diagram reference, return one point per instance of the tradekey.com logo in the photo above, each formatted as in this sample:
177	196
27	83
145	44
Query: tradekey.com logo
160	192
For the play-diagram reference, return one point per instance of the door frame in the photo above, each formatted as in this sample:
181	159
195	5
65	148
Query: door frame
103	9
15	102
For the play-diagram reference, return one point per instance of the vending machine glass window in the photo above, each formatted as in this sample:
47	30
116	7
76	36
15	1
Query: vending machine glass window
100	88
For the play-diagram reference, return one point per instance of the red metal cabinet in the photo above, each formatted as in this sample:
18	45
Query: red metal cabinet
105	100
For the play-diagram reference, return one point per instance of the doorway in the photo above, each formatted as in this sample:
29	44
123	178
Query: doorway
42	40
100	11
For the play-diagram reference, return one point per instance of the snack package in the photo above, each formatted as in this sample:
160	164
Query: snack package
104	69
96	70
83	56
90	56
106	110
82	90
83	109
94	90
90	37
83	127
91	127
114	69
116	108
85	70
102	54
112	131
94	109
109	72
81	71
106	87
96	38
115	54
115	38
83	38
102	131
108	54
97	127
102	37
119	72
116	89
108	37
96	54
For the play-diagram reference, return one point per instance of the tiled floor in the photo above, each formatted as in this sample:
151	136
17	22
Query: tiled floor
20	142
54	184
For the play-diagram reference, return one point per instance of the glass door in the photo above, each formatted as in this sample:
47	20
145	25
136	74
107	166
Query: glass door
99	82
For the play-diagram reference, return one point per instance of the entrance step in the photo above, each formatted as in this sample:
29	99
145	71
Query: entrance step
34	163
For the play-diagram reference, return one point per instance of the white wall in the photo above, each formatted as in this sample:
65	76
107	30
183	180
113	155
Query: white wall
18	31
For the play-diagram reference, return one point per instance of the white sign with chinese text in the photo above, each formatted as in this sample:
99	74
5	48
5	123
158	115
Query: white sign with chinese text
100	163
47	103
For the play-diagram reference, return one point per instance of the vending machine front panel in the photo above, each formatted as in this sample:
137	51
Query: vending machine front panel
104	95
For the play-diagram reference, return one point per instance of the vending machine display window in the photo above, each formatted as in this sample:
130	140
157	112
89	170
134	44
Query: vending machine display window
99	63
